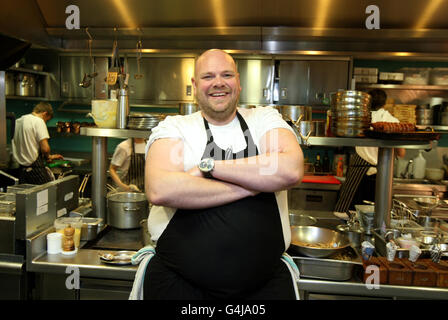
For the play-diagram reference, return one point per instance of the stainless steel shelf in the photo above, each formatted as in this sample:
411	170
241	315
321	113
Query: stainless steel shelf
26	98
401	87
24	70
435	127
368	142
114	133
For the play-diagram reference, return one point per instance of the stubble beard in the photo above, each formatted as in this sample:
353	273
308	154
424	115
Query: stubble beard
219	115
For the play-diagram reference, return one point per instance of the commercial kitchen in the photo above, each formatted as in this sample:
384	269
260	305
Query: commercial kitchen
314	61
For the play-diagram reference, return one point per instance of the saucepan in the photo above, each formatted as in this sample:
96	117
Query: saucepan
188	108
317	242
293	113
125	210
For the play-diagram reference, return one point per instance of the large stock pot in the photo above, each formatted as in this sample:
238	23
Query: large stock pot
125	210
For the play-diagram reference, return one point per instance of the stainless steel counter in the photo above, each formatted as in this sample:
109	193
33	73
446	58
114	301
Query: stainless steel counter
90	266
357	288
87	261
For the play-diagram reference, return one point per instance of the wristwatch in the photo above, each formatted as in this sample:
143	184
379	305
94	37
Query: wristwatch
206	166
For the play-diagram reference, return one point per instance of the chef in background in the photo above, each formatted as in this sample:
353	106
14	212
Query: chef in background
360	182
30	146
127	167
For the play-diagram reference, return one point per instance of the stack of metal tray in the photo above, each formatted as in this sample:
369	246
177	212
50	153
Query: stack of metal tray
7	204
144	121
340	267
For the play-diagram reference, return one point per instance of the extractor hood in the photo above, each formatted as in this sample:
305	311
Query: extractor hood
263	25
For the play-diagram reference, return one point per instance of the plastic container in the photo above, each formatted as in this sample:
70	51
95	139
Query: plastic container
419	76
439	76
61	223
419	166
104	113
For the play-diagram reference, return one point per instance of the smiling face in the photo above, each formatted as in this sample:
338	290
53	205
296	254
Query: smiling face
217	86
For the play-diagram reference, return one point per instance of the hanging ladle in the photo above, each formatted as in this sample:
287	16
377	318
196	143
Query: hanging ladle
138	75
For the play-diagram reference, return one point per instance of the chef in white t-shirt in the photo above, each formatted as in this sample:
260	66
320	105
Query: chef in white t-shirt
217	180
30	146
127	167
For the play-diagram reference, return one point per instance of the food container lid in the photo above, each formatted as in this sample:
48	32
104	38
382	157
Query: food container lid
62	223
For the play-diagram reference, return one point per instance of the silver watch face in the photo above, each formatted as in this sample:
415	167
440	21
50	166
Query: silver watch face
206	165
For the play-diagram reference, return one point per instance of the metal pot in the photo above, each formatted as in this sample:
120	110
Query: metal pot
125	210
294	112
10	89
188	108
319	128
353	234
25	85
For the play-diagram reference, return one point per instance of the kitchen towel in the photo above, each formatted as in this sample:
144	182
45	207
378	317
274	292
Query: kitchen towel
142	258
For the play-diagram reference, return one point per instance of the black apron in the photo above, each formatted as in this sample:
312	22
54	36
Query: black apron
231	251
136	171
352	189
36	173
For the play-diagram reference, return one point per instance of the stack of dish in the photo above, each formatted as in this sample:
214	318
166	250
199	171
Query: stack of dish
144	121
350	113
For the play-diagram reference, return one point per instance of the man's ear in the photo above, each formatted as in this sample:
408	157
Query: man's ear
193	82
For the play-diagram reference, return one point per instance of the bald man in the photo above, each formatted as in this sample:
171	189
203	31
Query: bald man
217	179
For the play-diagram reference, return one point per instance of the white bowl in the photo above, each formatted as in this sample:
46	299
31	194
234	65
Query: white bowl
434	174
407	243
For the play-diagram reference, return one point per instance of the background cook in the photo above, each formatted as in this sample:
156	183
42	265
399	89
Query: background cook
30	146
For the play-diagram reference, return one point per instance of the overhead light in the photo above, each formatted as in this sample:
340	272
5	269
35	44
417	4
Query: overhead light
426	16
321	17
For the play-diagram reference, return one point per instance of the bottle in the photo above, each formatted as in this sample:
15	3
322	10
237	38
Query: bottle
326	163
419	166
340	168
317	164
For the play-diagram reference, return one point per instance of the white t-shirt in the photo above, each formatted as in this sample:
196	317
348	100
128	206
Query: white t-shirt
191	130
29	131
370	154
122	156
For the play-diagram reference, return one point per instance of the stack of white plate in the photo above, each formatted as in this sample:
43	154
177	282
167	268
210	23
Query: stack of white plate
144	121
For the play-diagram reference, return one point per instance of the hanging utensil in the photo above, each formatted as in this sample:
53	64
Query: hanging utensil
138	75
89	42
112	75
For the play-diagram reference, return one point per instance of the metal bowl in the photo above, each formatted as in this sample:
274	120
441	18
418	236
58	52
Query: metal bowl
301	220
317	242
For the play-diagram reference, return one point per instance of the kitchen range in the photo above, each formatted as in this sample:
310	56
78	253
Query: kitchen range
121	73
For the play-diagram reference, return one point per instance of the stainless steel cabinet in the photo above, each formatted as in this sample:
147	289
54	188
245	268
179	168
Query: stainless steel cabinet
73	69
311	82
257	78
164	80
327	77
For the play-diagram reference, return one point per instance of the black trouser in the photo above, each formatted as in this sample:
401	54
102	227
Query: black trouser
161	283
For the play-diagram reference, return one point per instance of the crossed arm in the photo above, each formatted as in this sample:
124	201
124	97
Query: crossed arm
278	167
